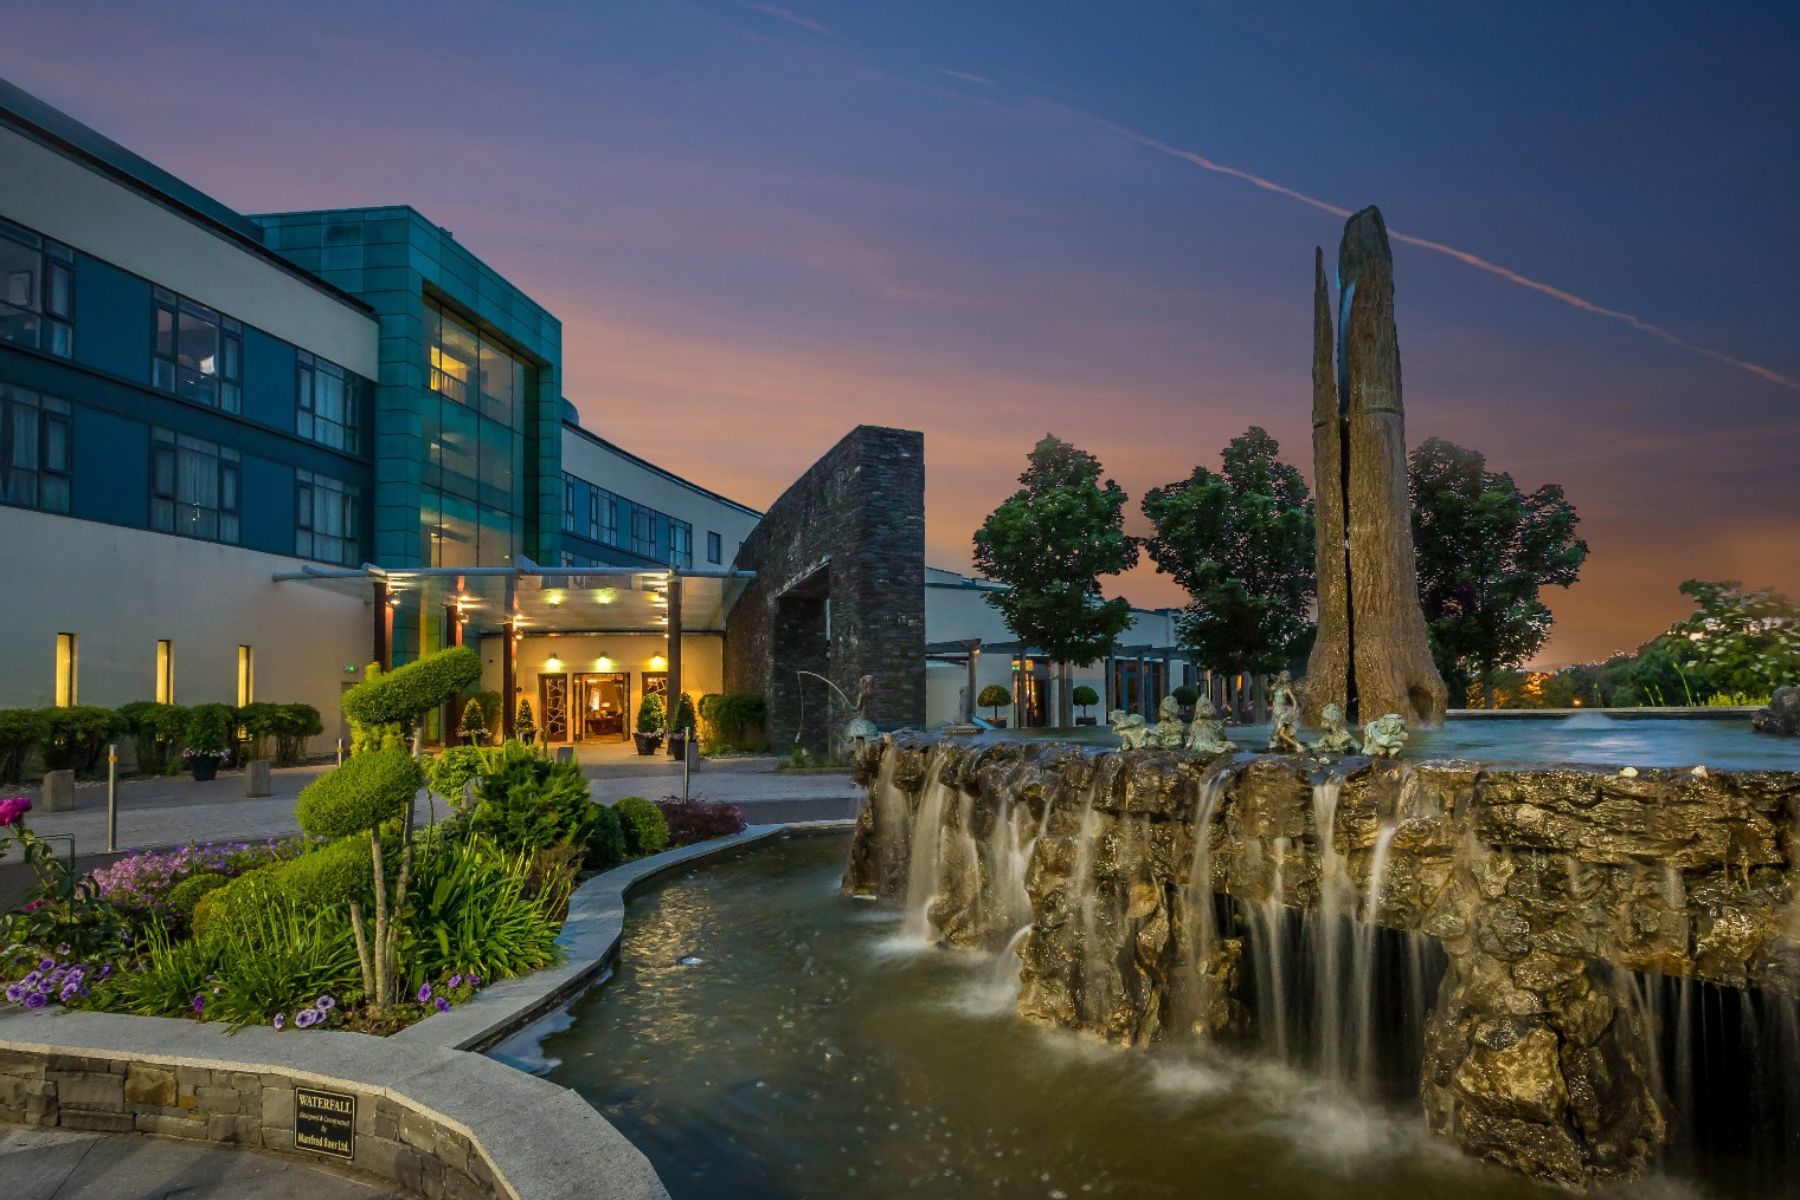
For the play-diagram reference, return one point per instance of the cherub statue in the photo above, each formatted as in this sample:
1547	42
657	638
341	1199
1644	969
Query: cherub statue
1168	732
1384	737
1207	734
1335	739
1284	735
1130	727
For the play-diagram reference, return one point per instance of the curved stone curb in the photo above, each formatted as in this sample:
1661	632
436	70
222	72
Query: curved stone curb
589	944
435	1121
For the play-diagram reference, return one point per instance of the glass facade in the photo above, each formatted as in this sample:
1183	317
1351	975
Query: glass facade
194	487
197	353
37	291
471	509
34	450
592	512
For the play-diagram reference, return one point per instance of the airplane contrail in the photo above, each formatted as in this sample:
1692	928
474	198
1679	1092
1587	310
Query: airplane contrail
1462	256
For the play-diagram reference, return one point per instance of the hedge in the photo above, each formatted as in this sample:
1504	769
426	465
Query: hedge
21	730
732	721
404	695
646	830
75	737
368	789
157	730
331	875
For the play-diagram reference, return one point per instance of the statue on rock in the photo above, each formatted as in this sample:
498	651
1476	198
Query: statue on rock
1168	732
1284	736
1207	734
1130	727
1385	736
1372	654
1335	739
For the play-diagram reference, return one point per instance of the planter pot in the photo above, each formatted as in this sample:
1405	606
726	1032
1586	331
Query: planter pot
678	746
1087	720
997	722
647	743
204	766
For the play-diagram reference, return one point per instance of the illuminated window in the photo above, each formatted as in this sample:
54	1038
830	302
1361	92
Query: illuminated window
67	665
197	353
246	675
165	671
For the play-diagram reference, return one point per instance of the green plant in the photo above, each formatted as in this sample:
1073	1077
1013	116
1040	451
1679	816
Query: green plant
994	698
184	896
1186	695
473	910
366	791
21	731
209	728
683	721
450	769
74	738
526	801
731	721
650	714
524	725
157	730
606	839
256	725
404	695
646	829
474	724
293	724
1084	697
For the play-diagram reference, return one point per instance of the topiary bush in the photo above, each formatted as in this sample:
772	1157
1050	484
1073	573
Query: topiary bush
1084	697
450	769
75	737
994	698
157	730
646	830
367	790
325	877
210	727
650	714
683	721
184	896
22	730
404	695
474	723
606	839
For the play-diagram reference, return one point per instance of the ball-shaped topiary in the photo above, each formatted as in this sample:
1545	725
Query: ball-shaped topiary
185	895
371	787
646	829
404	695
993	698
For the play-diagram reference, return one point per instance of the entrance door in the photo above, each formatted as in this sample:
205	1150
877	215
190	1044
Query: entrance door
602	706
553	708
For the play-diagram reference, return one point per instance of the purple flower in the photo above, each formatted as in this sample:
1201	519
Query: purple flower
474	981
280	1022
424	992
15	992
105	970
49	964
306	1018
199	1003
456	981
325	1004
31	980
36	1000
443	1005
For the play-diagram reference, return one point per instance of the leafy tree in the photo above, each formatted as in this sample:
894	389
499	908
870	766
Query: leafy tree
1741	641
1085	697
1049	543
993	698
1485	551
1240	541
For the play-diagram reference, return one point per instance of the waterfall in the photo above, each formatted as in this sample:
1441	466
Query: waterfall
1366	934
1206	994
1269	955
1337	897
924	872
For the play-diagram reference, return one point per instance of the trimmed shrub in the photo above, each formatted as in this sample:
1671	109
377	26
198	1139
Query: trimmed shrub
650	714
158	731
691	821
329	876
606	839
293	724
646	832
22	730
1084	697
209	727
683	721
75	738
256	721
474	723
1186	695
449	770
523	724
368	789
529	802
185	895
994	698
405	694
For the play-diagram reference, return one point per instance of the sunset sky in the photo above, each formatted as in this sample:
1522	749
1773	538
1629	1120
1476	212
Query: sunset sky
762	224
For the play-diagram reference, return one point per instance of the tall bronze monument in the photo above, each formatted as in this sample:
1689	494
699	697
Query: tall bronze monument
1372	656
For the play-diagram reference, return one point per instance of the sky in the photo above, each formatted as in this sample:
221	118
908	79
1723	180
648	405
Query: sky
762	224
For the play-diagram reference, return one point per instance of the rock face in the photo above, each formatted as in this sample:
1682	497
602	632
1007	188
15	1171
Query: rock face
1782	715
1137	890
1372	655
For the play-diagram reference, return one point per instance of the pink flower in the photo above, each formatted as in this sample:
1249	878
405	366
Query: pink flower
13	809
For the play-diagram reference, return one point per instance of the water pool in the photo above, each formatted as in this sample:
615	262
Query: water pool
765	1036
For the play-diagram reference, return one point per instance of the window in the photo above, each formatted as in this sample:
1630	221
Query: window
67	664
37	291
681	543
165	671
326	516
715	547
454	353
246	675
34	450
330	411
643	531
197	353
568	523
193	487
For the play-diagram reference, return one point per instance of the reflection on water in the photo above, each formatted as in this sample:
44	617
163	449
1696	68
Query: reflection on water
1589	738
812	1052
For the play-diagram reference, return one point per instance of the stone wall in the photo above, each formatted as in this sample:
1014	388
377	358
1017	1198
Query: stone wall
848	540
240	1108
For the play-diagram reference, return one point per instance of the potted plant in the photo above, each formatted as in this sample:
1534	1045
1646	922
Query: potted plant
681	728
208	738
525	728
474	724
994	698
1085	698
649	724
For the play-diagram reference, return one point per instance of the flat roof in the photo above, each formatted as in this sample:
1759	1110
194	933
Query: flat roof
672	477
100	153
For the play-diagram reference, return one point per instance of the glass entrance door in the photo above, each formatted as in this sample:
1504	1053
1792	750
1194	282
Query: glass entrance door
602	706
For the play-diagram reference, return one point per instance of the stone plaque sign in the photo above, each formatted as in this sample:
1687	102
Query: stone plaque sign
325	1122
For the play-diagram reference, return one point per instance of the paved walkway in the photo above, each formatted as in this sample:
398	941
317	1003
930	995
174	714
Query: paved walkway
58	1164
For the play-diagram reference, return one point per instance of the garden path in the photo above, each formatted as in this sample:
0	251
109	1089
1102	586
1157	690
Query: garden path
59	1164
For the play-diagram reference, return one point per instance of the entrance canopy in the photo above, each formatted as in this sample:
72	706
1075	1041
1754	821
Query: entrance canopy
531	599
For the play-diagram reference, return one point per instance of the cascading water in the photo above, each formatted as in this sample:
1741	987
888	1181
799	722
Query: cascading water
925	870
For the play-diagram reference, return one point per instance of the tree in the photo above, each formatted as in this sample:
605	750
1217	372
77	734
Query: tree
474	724
993	698
1742	642
1085	697
1486	549
1240	541
1049	543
